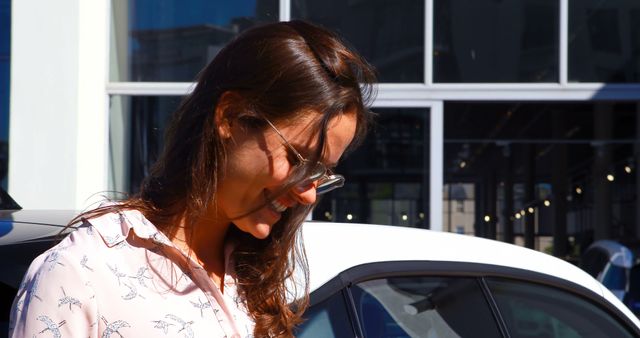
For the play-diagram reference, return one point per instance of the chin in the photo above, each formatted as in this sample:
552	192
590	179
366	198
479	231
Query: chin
261	231
259	224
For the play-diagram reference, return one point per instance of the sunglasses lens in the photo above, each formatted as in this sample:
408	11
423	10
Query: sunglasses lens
317	172
331	182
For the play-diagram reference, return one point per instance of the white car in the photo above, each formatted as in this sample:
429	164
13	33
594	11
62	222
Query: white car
385	281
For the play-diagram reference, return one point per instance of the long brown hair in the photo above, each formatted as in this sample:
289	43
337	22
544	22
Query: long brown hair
280	70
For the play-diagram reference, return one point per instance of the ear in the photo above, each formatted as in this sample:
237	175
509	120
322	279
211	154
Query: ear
225	111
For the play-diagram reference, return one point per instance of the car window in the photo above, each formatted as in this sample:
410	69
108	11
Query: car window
328	319
430	307
535	311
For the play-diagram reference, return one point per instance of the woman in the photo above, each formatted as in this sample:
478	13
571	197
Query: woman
206	246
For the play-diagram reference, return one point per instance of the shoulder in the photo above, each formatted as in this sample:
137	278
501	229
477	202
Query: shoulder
68	263
64	260
54	289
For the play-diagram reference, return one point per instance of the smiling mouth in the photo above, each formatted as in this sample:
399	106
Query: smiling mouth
277	206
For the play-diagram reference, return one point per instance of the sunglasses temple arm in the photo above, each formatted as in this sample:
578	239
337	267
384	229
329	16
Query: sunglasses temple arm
298	155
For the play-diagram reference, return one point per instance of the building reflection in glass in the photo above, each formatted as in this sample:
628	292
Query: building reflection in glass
173	41
554	176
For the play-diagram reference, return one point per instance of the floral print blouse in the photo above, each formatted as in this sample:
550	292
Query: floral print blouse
102	280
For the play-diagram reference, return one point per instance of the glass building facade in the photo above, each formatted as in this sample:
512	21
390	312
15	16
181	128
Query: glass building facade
508	120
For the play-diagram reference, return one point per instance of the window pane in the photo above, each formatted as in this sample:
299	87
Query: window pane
387	177
389	34
531	310
539	169
396	180
136	130
604	41
423	307
328	319
173	40
495	41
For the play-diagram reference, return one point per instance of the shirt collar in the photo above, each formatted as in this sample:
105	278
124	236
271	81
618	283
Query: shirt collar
113	235
114	227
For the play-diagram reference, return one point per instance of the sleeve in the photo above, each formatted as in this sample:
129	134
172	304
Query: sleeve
55	298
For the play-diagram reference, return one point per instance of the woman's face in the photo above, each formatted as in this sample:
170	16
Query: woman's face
259	163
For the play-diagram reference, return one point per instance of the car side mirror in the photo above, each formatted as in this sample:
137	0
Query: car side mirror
6	202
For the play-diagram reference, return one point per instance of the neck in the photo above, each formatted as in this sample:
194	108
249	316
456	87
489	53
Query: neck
204	242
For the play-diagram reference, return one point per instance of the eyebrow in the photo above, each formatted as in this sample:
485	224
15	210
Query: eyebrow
295	148
305	151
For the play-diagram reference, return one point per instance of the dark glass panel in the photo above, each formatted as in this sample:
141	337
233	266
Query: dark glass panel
173	40
137	125
389	34
391	167
504	160
387	177
495	41
604	41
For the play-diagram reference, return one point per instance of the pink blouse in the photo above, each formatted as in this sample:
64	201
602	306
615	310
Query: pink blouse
100	281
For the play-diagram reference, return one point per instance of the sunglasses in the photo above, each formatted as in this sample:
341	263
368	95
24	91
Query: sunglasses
326	179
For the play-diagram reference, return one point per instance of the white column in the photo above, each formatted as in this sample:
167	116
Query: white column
93	102
57	135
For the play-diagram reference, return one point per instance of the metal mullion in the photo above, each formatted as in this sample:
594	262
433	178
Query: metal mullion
495	309
352	311
428	42
389	93
417	94
563	67
285	10
150	88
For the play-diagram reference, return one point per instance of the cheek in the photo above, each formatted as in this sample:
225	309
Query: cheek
257	170
280	171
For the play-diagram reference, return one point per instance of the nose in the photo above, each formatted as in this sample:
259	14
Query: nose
305	193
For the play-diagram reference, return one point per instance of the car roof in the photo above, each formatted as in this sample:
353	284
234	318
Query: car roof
345	245
332	248
17	226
